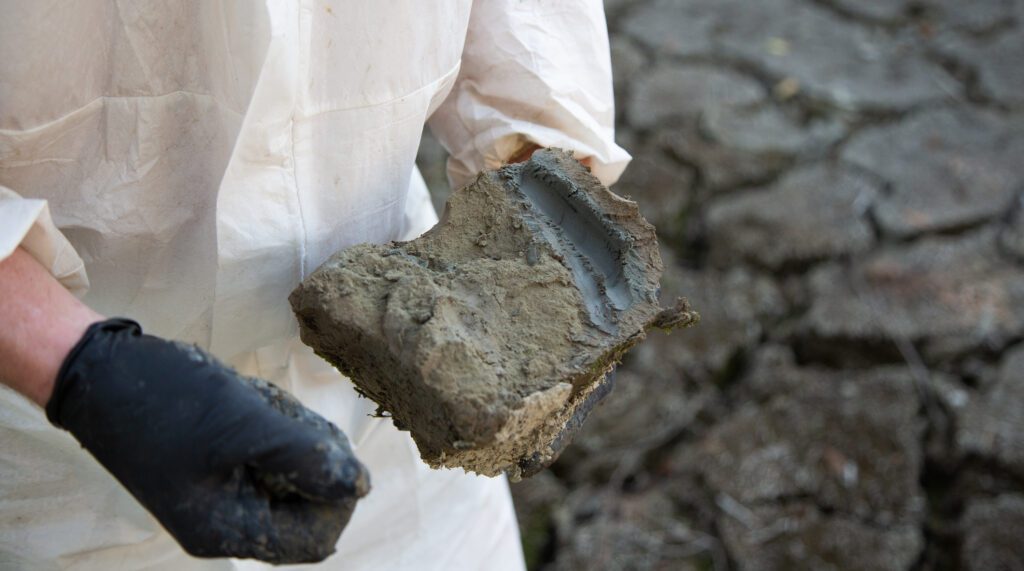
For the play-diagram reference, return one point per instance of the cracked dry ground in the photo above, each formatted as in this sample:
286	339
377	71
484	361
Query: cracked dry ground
838	185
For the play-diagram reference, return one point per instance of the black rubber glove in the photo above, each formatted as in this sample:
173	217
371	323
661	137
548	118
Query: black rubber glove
230	466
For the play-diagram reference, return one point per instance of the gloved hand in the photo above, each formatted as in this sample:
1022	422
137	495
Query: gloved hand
230	466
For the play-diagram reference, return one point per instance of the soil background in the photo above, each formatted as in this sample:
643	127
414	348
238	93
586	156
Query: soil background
838	188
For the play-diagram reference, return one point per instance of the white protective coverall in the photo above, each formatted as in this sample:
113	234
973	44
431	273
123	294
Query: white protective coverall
196	160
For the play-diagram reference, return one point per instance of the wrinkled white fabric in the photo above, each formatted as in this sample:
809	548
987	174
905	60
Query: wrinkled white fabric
197	159
536	72
27	223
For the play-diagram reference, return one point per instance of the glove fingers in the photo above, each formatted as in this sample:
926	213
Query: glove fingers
307	531
290	456
311	464
288	531
250	523
235	522
289	448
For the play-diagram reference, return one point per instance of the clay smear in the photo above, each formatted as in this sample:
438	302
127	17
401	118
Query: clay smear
483	336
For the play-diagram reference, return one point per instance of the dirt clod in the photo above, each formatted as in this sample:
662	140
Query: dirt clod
485	336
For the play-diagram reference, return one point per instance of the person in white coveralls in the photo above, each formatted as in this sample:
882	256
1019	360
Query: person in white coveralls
178	168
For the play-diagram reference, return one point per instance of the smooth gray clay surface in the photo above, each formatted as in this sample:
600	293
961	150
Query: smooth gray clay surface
483	336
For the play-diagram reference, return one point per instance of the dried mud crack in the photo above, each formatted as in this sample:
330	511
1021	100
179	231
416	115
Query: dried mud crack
837	189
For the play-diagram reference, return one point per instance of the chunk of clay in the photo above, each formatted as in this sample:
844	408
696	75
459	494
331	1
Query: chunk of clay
483	336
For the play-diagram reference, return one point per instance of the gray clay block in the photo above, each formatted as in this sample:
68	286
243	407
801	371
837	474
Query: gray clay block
483	336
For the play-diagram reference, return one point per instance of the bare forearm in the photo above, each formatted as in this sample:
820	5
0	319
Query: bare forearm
40	322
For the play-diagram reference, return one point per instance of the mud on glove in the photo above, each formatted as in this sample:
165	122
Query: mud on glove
230	466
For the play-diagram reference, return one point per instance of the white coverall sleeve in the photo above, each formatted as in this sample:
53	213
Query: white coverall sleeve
532	71
26	222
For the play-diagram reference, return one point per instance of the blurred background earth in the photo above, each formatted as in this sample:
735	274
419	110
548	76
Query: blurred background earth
838	187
